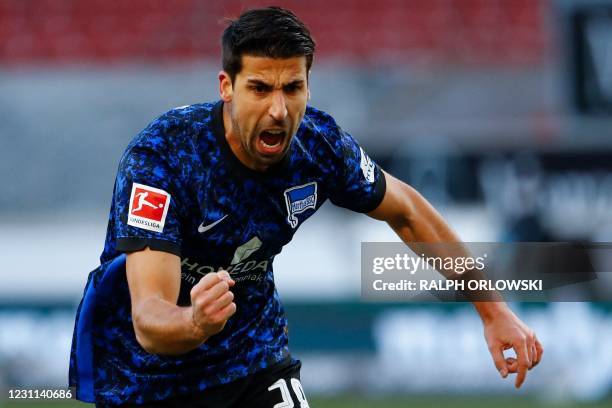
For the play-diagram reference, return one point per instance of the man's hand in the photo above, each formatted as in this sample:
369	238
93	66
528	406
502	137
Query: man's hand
503	330
212	303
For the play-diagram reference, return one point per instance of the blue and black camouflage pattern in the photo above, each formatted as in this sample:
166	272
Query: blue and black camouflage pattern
184	152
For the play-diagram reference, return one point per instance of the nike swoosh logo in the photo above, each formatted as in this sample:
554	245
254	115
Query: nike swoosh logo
203	228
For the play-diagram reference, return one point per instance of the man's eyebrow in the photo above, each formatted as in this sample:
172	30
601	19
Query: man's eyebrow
295	82
253	81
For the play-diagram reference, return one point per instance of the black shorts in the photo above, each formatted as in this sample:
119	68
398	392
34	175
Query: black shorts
267	388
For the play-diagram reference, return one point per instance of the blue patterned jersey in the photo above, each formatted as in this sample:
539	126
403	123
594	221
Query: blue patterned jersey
180	189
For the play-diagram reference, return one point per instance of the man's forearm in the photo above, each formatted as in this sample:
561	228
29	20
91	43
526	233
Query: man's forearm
165	328
420	222
490	310
423	229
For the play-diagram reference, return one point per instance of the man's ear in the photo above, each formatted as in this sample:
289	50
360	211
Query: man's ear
226	88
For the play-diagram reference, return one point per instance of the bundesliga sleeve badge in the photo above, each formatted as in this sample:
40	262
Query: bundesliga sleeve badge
148	207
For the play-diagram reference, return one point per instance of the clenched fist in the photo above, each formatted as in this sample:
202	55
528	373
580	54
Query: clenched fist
212	303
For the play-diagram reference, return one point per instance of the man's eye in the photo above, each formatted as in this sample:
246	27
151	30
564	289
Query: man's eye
292	88
259	88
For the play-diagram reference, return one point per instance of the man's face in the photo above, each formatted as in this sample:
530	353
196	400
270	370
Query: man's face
266	104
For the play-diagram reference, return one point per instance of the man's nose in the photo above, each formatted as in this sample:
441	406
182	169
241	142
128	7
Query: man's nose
278	107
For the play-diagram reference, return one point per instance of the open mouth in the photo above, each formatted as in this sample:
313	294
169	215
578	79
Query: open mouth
271	141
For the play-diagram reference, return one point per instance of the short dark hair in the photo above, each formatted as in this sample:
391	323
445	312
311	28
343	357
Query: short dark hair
272	32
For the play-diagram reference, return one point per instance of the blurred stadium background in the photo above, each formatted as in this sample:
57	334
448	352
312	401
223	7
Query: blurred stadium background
498	111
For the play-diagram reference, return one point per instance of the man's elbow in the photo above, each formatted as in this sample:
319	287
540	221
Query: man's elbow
154	342
147	345
145	341
406	212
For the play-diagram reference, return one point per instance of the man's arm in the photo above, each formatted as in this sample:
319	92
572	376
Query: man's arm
162	327
415	220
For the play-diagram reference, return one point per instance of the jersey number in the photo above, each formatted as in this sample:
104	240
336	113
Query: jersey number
287	401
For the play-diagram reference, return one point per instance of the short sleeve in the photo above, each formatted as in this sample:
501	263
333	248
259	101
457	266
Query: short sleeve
147	209
361	185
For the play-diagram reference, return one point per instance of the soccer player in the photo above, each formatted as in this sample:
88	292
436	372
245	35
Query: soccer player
183	310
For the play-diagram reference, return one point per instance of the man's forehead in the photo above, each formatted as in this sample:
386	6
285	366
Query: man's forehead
266	68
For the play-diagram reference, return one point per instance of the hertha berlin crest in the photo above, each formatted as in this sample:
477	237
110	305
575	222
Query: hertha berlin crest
300	199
